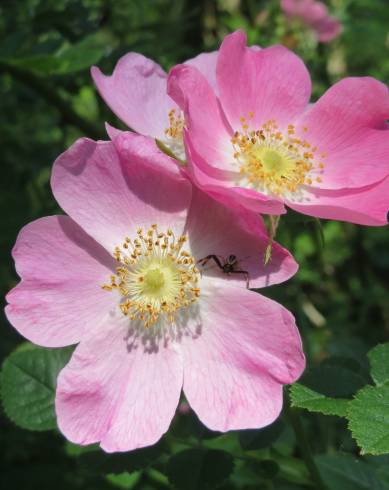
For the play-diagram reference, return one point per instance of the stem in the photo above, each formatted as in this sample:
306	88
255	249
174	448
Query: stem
45	89
302	442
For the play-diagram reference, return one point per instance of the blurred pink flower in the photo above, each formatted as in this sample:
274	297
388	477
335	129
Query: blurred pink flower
315	16
119	276
261	144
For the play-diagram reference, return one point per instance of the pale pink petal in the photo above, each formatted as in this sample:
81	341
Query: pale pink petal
206	64
348	125
112	199
207	128
118	390
366	206
62	269
247	348
271	83
214	229
136	93
127	142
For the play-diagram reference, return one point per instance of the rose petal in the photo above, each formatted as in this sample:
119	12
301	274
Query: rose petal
247	348
136	93
348	124
217	230
117	390
271	83
59	298
110	199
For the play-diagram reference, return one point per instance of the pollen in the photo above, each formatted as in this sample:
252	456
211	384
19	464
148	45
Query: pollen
155	276
276	160
175	134
176	125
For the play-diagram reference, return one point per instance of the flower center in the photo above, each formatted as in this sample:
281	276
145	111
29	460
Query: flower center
156	277
154	280
273	161
175	134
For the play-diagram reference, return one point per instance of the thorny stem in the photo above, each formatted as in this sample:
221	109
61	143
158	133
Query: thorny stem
302	442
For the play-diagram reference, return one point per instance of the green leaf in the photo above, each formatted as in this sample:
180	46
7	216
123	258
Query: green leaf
199	469
82	55
70	58
124	480
303	397
335	377
344	472
28	381
368	417
379	363
253	439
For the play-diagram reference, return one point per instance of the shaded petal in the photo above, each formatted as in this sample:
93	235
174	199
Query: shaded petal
365	206
206	64
214	229
348	123
247	349
111	200
136	93
207	128
115	392
125	142
59	298
272	83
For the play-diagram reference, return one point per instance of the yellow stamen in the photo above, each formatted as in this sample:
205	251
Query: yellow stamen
275	161
156	277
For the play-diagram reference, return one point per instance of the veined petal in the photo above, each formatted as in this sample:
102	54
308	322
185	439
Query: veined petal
110	198
207	127
206	64
136	92
248	347
271	83
118	390
59	299
368	205
348	124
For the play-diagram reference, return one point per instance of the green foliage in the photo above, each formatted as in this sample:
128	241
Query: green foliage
303	397
261	438
28	381
199	469
345	472
339	296
379	363
369	419
369	412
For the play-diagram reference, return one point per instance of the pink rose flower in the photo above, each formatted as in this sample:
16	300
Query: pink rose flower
261	145
315	16
136	93
120	277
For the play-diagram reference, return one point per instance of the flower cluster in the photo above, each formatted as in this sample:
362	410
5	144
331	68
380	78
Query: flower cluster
152	270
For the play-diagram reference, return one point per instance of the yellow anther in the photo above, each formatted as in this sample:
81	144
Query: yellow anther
152	282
